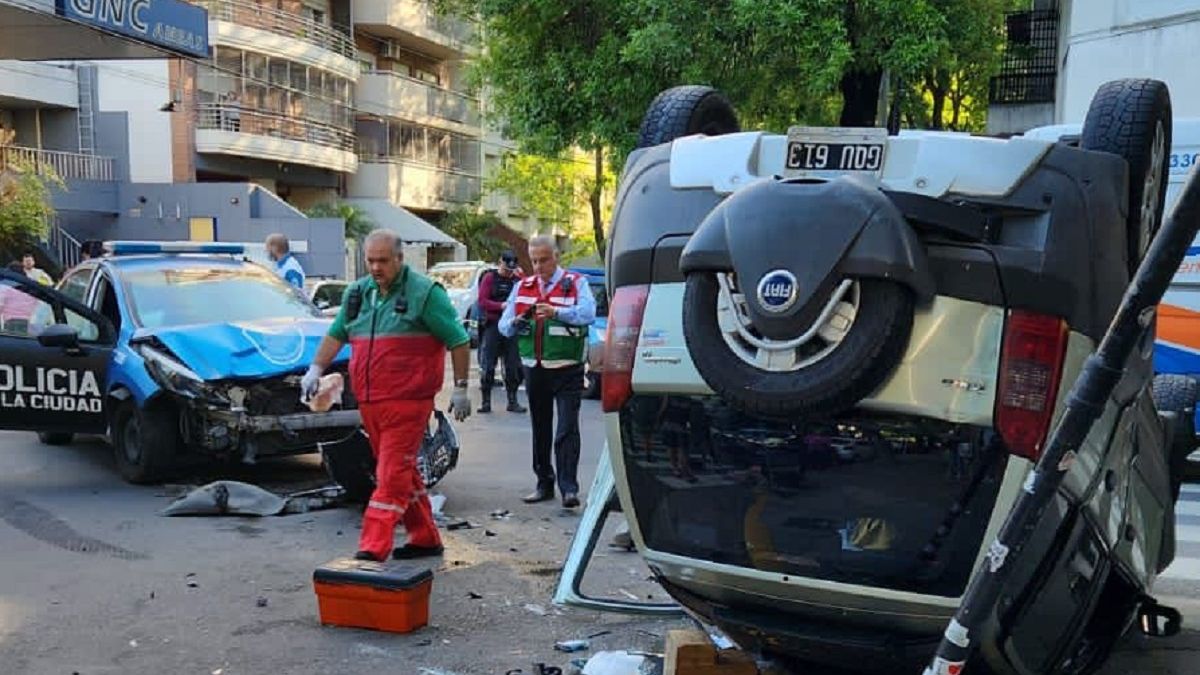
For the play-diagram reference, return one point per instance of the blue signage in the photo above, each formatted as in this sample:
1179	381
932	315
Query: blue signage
174	25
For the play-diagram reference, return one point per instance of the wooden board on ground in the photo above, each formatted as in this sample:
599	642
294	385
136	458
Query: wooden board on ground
690	652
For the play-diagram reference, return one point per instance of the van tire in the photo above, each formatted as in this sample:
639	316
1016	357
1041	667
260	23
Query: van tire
862	362
685	111
1132	118
1178	394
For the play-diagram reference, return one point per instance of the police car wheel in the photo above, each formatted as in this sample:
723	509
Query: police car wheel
1132	119
55	437
144	441
855	346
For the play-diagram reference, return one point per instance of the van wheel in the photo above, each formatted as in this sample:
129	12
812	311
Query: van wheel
684	111
144	440
1178	394
862	336
1132	119
55	437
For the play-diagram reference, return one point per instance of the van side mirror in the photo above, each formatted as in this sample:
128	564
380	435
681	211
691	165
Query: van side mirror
59	335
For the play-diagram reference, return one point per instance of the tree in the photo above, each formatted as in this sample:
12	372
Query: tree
358	222
556	189
26	209
473	231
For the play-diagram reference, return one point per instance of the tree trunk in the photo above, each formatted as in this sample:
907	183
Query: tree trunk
939	108
594	202
956	101
860	98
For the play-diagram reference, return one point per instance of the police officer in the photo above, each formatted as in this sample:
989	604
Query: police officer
550	312
494	289
399	325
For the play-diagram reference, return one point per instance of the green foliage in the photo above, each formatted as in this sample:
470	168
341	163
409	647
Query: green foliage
358	223
473	231
25	207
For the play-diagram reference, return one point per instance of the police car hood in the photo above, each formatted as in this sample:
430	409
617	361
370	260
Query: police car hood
253	349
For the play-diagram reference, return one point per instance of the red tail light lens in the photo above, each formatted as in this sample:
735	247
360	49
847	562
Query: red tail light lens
1030	369
620	345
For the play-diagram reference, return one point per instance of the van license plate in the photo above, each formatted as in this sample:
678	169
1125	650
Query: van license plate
819	150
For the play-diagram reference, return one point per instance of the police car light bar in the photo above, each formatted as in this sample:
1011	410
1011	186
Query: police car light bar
152	247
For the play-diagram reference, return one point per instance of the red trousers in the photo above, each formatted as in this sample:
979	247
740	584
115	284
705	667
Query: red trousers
396	429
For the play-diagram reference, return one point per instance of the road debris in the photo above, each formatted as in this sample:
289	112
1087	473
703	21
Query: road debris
474	596
191	580
501	514
536	609
234	498
489	533
261	602
572	646
629	595
461	525
613	663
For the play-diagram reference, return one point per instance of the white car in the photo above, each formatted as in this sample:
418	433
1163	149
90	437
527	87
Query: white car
461	281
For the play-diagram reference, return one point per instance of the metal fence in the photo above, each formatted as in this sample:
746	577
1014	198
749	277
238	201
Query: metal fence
235	118
281	23
1029	71
67	165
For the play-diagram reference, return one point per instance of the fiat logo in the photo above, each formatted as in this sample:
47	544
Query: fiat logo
777	291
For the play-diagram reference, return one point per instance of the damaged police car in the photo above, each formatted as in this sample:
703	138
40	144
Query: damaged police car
168	348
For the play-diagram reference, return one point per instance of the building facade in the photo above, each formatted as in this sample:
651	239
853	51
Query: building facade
1060	51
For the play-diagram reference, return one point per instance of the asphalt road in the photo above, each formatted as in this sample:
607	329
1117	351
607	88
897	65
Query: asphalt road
93	581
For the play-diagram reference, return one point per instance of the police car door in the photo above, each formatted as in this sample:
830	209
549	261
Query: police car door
54	355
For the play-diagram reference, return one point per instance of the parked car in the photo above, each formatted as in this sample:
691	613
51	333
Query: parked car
461	281
168	348
939	292
326	294
597	333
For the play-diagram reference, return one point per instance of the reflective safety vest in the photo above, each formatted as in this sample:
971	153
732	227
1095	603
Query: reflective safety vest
550	343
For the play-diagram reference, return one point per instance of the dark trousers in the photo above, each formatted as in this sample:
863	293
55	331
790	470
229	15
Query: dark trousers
551	389
494	346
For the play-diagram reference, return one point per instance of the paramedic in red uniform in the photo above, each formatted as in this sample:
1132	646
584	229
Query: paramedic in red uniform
399	325
549	313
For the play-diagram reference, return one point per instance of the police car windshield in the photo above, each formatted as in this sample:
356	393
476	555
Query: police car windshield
195	294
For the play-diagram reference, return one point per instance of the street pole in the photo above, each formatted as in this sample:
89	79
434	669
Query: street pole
1085	403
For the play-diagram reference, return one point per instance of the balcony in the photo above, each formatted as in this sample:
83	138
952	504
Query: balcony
278	33
412	184
415	24
233	130
66	165
390	94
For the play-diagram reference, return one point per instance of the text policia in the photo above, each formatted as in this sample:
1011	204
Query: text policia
56	389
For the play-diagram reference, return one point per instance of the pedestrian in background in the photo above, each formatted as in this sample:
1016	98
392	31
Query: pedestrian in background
494	290
549	314
286	265
29	266
399	324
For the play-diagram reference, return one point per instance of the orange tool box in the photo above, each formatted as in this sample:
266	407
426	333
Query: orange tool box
387	596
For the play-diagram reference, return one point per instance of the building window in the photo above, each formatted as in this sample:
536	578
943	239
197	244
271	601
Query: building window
1029	71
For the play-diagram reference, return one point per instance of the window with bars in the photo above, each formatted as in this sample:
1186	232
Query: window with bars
1030	68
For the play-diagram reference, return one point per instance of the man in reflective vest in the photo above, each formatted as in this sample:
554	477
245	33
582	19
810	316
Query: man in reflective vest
399	325
549	312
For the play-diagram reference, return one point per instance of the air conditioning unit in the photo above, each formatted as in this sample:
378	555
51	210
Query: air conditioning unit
391	50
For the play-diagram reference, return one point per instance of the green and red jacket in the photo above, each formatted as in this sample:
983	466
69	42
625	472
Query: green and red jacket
398	355
550	343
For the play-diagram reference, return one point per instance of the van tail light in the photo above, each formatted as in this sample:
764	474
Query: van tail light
1030	369
620	345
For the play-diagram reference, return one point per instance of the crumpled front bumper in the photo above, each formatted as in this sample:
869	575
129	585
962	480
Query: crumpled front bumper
293	423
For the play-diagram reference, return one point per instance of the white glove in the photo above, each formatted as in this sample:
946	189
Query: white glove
310	383
460	404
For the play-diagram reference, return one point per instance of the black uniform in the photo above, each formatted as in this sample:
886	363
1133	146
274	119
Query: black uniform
493	345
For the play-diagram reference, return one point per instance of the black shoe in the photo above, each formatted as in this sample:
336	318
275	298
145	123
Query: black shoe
538	495
408	552
514	406
366	555
570	500
485	407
